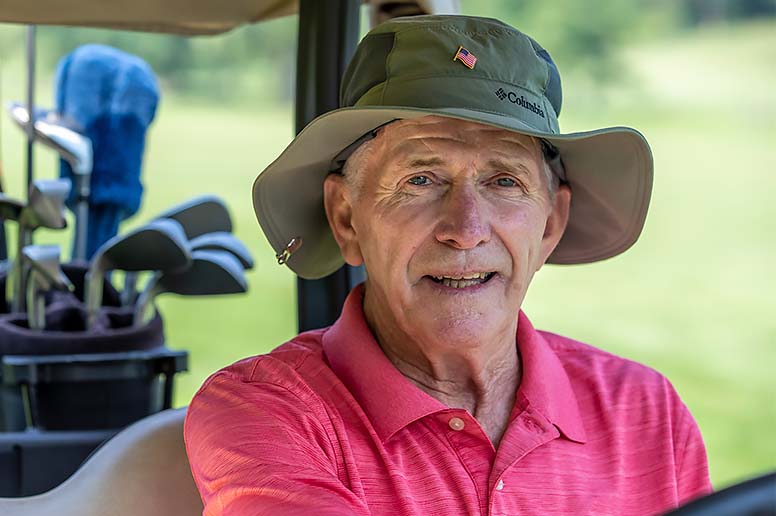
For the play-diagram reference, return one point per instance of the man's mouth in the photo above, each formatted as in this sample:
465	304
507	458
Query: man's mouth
464	281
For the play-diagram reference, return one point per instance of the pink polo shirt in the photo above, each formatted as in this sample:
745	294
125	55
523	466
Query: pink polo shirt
326	425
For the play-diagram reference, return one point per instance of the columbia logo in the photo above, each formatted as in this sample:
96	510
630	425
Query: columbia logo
521	101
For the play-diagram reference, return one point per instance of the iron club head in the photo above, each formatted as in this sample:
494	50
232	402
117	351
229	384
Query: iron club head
45	208
45	274
200	215
58	133
160	245
223	241
46	205
211	273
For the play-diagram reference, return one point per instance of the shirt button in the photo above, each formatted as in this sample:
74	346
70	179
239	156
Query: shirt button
500	485
456	423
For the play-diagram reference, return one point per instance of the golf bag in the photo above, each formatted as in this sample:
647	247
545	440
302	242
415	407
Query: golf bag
65	390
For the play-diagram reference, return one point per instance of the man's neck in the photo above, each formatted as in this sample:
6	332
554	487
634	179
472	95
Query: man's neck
481	379
487	394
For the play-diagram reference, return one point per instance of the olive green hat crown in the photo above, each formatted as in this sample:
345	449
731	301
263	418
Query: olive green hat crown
412	62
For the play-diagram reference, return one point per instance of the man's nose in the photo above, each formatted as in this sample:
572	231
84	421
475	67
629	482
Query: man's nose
463	223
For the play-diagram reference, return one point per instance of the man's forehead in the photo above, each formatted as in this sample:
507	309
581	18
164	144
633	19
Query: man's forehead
414	135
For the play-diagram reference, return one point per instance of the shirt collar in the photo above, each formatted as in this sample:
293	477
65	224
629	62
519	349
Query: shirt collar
389	399
545	383
359	362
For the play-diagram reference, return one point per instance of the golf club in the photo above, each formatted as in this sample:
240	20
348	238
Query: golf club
198	216
211	273
45	208
45	274
62	135
223	241
217	241
160	245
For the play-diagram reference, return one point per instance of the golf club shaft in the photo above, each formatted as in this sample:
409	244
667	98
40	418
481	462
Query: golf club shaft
83	192
144	300
93	295
19	270
81	229
36	304
129	293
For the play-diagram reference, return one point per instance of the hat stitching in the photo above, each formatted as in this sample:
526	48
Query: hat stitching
387	73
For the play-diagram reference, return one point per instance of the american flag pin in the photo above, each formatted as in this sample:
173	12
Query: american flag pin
466	57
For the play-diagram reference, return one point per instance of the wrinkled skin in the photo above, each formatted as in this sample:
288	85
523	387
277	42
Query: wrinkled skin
443	197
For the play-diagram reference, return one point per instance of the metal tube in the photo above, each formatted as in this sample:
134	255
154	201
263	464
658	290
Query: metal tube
30	104
3	240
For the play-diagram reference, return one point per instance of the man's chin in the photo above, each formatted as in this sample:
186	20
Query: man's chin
456	329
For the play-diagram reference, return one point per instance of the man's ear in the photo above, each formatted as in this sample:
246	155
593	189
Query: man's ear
339	211
556	222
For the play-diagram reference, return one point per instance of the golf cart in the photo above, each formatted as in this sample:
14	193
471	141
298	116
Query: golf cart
146	462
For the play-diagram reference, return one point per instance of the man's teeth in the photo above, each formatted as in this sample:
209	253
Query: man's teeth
463	281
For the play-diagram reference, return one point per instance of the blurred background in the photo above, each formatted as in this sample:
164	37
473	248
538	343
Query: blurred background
692	299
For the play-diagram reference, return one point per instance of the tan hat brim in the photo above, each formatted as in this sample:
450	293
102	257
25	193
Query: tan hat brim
609	171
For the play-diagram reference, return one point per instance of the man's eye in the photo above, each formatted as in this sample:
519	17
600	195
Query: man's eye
419	180
506	181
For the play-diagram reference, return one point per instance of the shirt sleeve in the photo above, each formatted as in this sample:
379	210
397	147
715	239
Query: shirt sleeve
257	449
692	468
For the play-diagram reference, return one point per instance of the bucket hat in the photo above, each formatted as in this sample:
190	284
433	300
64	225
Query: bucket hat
468	68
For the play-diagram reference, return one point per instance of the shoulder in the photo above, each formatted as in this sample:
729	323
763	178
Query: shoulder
633	408
279	385
264	399
612	380
587	361
288	366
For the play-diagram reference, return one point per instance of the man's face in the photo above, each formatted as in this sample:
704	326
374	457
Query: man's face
451	220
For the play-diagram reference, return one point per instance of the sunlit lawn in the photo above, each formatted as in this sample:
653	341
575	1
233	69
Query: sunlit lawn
692	299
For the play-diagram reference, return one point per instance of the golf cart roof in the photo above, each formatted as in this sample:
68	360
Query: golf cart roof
190	17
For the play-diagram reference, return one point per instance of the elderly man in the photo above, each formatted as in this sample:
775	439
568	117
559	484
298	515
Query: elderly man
446	175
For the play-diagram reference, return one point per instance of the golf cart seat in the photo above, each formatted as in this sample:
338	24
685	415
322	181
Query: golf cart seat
142	470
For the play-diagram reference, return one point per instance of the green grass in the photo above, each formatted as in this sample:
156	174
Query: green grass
692	299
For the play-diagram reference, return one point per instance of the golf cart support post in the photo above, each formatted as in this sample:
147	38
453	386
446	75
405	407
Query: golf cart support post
328	35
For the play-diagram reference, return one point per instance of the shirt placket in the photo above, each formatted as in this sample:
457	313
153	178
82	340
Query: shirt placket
473	448
527	431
